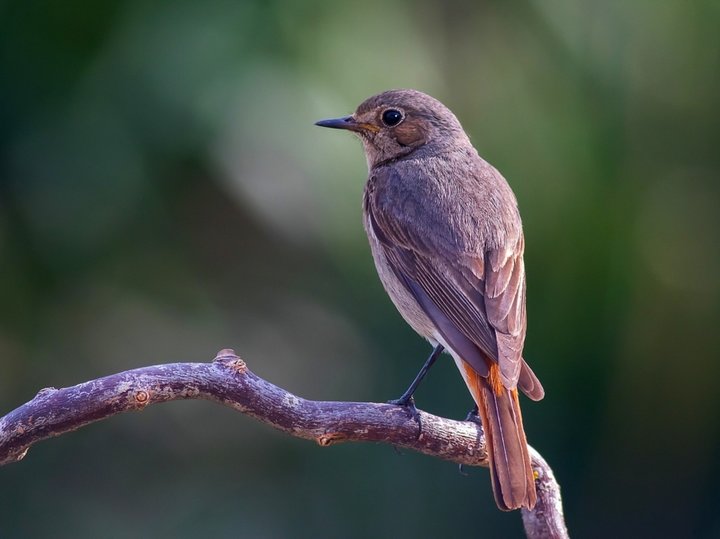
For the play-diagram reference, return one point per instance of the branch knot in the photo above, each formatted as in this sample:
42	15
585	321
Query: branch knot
228	358
330	438
142	398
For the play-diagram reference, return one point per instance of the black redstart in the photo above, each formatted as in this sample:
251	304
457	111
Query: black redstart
446	236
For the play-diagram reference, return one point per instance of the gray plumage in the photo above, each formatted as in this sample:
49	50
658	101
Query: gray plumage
447	240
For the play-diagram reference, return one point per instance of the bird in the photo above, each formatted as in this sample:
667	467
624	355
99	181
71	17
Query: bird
446	237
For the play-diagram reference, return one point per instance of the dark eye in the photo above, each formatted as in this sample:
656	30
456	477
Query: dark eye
392	117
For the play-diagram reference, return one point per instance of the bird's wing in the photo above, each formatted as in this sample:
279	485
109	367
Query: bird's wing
474	296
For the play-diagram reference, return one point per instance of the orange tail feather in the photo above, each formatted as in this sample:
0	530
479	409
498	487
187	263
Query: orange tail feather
512	476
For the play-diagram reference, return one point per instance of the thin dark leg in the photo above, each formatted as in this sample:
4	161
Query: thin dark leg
407	398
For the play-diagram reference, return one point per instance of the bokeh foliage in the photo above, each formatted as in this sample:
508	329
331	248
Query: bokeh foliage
163	194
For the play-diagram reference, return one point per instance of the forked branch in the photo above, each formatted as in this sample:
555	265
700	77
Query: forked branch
228	381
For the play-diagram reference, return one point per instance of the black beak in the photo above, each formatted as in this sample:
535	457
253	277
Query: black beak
347	122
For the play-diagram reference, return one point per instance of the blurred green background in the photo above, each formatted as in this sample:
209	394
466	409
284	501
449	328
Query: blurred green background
164	194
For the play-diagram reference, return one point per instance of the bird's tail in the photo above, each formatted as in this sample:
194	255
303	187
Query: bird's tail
499	409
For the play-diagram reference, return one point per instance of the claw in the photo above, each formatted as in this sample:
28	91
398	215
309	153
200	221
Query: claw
407	401
473	416
409	404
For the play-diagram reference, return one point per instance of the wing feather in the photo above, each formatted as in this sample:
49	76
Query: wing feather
473	294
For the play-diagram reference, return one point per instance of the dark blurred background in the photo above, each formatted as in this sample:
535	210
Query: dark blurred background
164	194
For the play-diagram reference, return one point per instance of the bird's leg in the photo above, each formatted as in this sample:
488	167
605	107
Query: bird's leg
407	398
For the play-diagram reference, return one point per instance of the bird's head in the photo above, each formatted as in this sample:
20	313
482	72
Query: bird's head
395	123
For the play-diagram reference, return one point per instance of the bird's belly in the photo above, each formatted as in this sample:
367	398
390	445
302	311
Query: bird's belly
405	303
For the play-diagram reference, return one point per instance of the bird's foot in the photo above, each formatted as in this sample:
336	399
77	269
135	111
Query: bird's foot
408	403
473	416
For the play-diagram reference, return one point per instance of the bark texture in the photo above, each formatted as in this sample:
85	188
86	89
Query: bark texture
228	381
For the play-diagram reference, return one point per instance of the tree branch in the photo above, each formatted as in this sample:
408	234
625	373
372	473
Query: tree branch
228	381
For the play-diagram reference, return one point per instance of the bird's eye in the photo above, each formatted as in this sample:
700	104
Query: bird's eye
392	117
